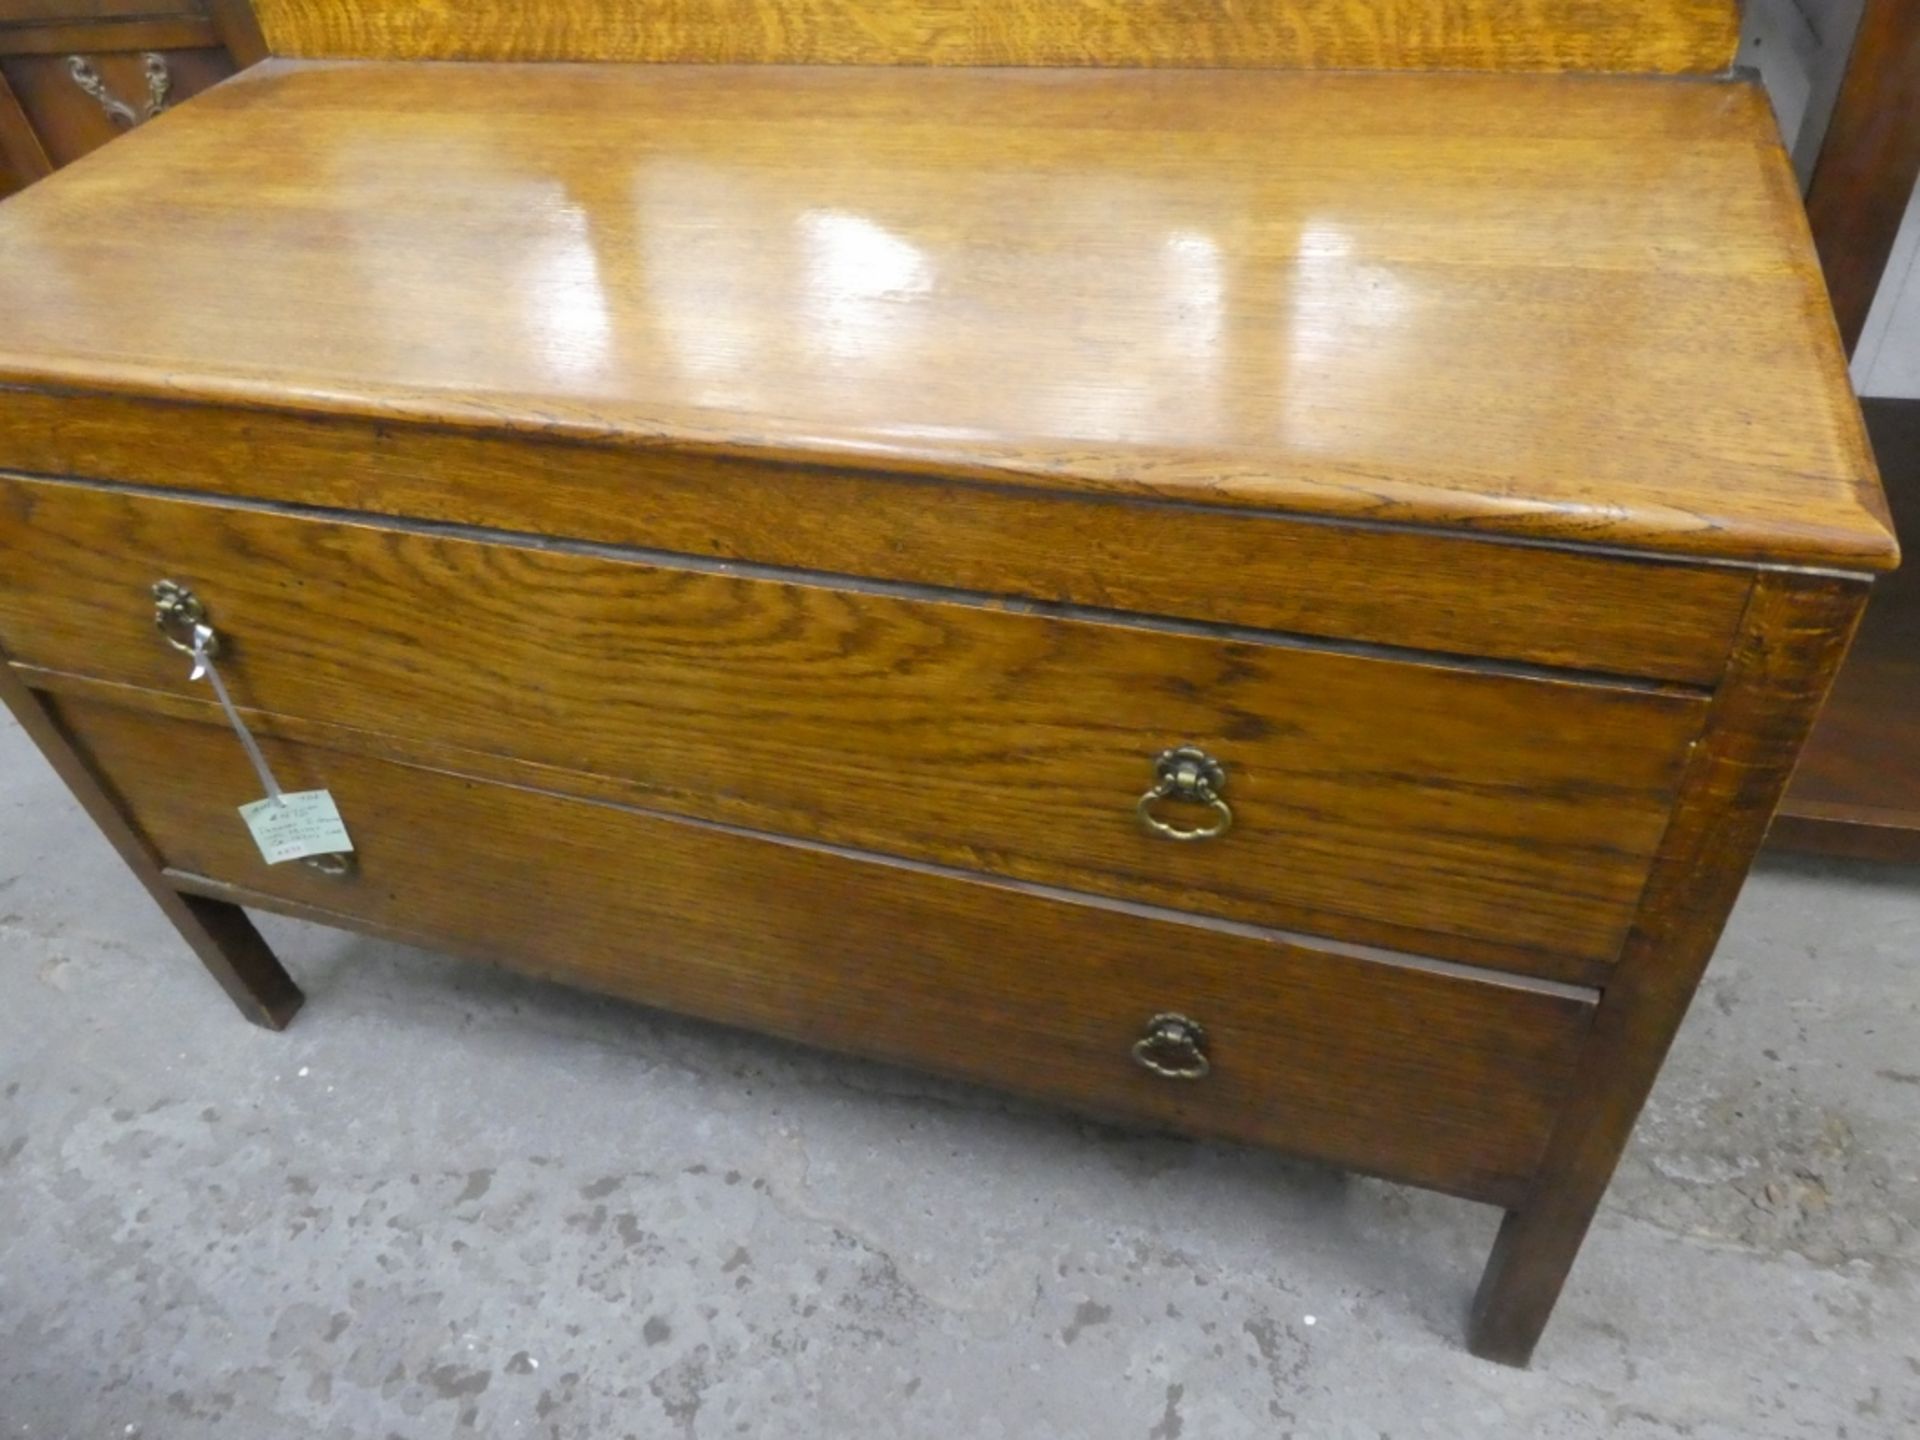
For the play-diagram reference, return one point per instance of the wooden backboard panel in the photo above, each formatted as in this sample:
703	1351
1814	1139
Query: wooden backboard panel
1645	36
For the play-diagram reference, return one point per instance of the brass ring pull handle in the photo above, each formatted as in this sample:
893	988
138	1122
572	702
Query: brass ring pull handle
181	619
1190	775
1174	1048
337	864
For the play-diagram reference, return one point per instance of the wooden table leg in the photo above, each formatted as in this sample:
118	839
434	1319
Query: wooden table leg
219	933
1791	643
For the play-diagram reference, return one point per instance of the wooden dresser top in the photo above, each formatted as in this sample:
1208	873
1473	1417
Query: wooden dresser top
1565	308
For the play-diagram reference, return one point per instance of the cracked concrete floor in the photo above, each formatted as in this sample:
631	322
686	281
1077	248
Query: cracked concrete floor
449	1201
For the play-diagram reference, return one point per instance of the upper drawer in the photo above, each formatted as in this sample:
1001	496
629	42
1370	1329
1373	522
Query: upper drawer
1505	817
1385	585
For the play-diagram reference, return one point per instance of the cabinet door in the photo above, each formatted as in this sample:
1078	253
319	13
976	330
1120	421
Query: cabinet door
77	102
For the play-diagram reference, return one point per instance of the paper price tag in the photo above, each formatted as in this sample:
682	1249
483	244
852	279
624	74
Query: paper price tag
296	825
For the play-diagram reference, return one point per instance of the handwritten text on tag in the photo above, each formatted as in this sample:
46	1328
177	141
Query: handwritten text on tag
296	825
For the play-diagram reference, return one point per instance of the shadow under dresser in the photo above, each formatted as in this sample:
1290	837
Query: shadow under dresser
1277	606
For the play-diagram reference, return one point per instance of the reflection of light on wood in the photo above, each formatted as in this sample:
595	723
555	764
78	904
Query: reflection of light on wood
562	298
701	234
1195	319
857	271
1147	309
1351	323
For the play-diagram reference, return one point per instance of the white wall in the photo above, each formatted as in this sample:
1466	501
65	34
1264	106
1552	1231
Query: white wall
1887	361
1800	48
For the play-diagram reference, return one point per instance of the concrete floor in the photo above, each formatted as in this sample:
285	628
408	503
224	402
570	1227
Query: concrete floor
449	1201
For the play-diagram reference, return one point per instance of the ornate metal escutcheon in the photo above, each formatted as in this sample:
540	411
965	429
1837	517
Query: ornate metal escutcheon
1174	1048
1190	775
159	88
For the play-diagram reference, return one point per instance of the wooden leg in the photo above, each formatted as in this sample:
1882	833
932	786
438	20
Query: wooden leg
219	933
1529	1264
235	954
1792	640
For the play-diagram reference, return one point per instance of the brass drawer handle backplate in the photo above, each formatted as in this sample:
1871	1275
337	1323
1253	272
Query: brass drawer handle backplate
180	617
1190	775
1174	1048
153	65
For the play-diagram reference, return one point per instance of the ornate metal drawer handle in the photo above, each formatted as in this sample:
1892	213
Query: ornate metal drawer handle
339	866
1191	775
1174	1048
179	616
159	88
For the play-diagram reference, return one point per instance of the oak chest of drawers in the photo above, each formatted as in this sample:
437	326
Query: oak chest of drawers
1277	606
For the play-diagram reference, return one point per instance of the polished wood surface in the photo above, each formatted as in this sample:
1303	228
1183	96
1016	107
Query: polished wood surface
1464	301
1373	796
1331	1055
1384	585
1857	791
1792	642
1868	160
1679	36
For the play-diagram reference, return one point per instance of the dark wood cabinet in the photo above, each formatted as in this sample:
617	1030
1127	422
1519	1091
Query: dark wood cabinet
75	74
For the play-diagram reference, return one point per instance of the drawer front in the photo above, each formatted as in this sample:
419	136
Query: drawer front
1378	584
1385	800
1432	1074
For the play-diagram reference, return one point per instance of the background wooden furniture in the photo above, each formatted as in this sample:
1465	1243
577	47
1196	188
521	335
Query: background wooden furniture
1857	791
76	73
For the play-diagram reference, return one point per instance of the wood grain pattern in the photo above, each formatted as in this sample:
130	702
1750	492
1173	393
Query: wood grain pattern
1437	1077
423	752
1383	585
1680	36
1579	309
219	933
1507	809
1794	638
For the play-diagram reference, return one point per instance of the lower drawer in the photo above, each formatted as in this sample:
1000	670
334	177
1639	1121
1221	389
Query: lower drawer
1424	1072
